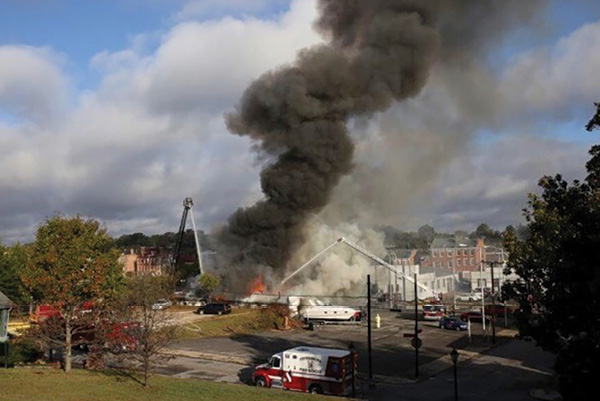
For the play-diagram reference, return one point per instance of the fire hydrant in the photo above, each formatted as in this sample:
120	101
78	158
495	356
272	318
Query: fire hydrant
377	321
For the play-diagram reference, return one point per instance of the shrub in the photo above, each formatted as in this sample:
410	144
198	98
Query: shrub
21	351
274	316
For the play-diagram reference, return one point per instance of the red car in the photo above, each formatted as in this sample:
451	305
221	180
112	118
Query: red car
499	310
474	316
123	337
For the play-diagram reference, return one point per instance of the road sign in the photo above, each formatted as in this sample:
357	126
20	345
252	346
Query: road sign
416	342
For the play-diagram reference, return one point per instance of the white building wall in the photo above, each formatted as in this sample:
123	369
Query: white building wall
483	278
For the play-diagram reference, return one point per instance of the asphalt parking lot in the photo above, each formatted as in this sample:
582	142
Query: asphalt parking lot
392	353
510	369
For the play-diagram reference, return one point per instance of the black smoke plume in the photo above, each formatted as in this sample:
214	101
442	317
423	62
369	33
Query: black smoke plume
377	52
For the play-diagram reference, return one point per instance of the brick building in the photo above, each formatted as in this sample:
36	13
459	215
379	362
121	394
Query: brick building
460	254
148	260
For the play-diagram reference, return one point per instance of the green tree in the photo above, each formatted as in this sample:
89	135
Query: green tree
427	233
12	261
134	240
71	263
207	284
595	120
153	329
559	286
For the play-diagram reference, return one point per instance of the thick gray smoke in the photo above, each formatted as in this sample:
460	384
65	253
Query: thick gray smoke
378	52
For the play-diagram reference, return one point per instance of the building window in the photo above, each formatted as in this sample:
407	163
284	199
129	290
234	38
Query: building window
458	262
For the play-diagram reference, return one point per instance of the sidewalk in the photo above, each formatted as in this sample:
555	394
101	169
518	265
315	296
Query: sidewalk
511	370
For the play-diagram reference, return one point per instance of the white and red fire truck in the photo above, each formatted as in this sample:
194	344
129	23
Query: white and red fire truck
433	312
308	369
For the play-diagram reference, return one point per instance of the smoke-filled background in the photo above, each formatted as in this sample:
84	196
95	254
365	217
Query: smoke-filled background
377	53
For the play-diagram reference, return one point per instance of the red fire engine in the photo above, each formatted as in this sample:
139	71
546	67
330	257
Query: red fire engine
433	312
43	312
308	369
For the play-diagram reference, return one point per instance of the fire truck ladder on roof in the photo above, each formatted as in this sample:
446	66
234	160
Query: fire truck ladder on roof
366	253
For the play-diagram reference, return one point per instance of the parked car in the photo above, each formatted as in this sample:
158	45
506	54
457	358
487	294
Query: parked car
214	309
474	316
123	337
452	323
475	296
500	310
470	297
161	304
463	297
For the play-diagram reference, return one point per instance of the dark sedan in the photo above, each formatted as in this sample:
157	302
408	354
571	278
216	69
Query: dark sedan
214	309
452	323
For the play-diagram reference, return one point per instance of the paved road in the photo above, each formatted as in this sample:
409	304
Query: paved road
392	353
508	371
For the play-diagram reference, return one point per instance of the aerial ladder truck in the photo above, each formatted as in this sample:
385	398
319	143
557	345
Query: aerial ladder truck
187	207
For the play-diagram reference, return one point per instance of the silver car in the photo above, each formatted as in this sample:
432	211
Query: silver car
161	304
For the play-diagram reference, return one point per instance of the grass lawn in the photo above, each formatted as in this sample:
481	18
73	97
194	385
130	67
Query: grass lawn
80	385
240	321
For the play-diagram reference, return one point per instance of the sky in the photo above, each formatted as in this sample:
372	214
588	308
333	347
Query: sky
114	110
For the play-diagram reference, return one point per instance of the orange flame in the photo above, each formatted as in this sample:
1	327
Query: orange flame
257	286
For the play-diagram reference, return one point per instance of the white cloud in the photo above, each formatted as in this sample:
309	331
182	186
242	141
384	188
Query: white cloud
559	80
209	64
209	8
31	83
150	135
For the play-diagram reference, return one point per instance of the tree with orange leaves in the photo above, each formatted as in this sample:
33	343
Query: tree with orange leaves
72	265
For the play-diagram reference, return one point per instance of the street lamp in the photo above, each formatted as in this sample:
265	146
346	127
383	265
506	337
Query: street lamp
454	356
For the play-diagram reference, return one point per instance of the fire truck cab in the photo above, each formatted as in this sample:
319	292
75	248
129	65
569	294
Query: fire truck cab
308	369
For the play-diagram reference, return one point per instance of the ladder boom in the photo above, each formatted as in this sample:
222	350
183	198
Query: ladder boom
187	204
383	263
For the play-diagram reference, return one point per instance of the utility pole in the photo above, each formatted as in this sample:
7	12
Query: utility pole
390	284
493	305
369	326
482	295
453	280
404	297
416	330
